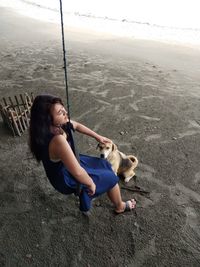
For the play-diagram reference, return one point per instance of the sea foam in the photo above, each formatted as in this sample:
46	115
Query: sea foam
139	19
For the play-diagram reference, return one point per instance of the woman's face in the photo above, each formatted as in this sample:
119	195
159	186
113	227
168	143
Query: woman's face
59	114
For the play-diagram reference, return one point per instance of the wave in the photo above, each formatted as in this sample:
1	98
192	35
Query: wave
54	6
38	4
109	21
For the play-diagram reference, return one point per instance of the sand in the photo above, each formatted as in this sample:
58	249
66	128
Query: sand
145	97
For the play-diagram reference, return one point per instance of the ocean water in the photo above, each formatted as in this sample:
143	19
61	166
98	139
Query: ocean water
174	21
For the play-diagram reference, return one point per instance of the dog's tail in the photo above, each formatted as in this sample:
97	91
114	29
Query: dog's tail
134	160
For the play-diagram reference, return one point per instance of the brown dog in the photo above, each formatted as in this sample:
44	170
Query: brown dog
121	164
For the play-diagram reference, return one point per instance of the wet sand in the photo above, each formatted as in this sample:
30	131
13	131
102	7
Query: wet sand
144	96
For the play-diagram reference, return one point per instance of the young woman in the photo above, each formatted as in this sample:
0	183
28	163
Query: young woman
50	143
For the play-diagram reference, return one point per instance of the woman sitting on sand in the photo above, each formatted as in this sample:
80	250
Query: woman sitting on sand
49	143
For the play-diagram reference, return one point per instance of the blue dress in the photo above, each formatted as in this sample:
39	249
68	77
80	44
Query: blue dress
98	169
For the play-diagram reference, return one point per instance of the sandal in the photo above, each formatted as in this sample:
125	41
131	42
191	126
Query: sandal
128	206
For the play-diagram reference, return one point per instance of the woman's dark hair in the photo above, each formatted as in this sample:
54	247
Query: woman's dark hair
40	121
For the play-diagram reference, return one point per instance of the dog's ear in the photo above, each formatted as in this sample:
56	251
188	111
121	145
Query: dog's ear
114	147
97	146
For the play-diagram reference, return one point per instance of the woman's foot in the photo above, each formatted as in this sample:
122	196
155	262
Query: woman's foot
126	206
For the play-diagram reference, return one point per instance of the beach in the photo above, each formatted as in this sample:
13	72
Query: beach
142	94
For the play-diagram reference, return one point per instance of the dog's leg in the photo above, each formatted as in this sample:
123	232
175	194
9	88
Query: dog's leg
127	179
114	166
128	175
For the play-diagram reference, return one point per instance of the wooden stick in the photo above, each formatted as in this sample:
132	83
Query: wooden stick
11	102
15	124
21	117
136	189
4	100
27	106
25	111
19	121
32	97
21	96
16	115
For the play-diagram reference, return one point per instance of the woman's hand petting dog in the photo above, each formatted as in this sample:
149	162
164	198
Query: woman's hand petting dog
103	139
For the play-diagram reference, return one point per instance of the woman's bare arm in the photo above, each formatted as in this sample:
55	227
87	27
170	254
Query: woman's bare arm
85	130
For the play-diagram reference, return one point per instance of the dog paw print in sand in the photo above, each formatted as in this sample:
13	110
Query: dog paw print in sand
135	104
152	137
197	178
194	124
148	118
188	133
146	172
141	255
46	233
193	129
183	195
191	231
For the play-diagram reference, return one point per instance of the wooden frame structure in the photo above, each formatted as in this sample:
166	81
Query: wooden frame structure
15	112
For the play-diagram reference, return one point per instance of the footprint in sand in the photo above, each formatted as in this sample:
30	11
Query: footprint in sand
149	118
147	168
101	110
188	133
148	202
188	192
18	203
193	124
121	144
97	126
45	237
147	172
152	96
116	108
122	97
179	197
102	93
152	137
197	178
192	219
103	102
191	232
141	256
134	104
182	195
80	89
86	113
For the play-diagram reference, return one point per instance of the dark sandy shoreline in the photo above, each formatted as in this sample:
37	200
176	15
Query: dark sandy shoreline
149	91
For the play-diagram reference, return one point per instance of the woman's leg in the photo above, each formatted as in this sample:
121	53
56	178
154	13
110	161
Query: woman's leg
114	195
